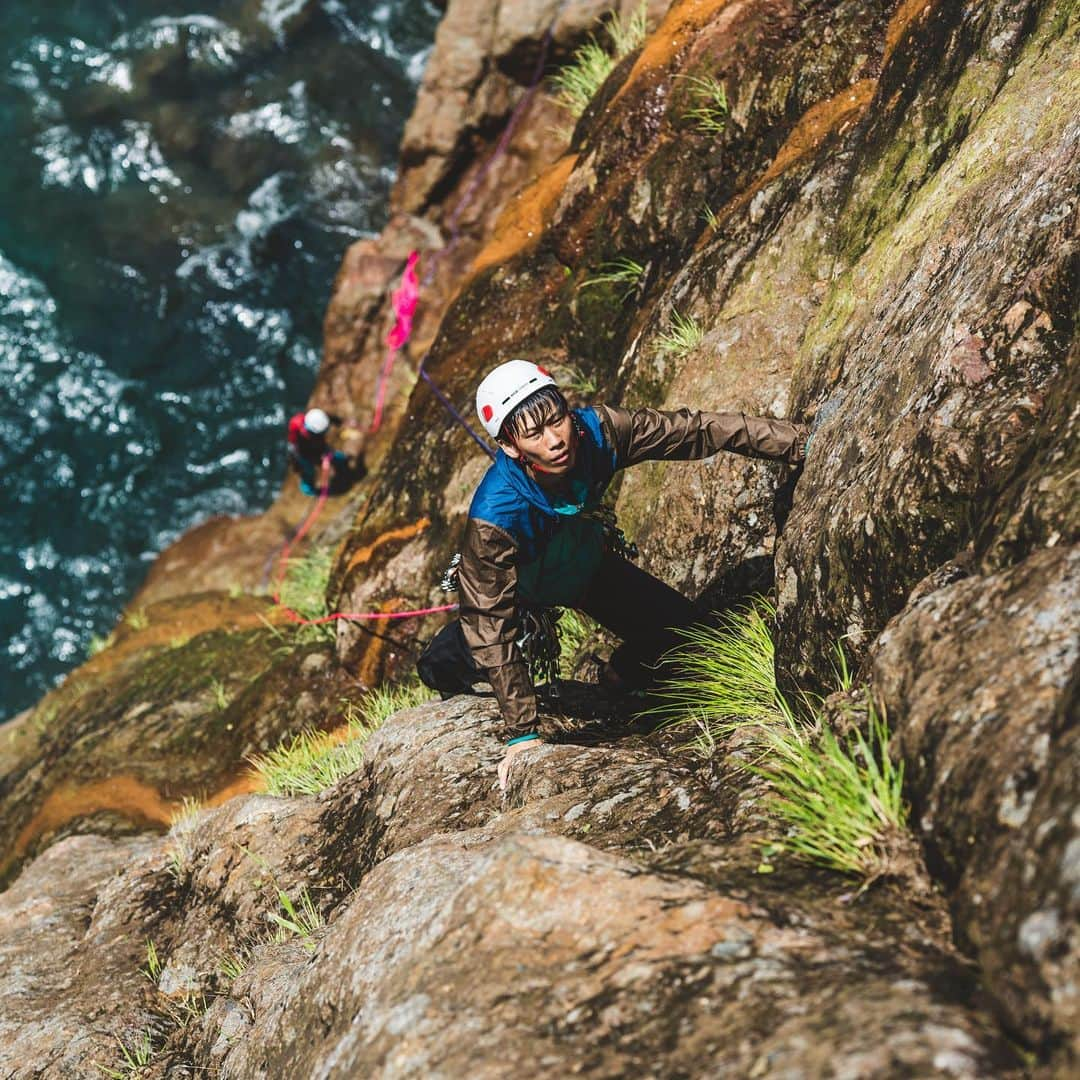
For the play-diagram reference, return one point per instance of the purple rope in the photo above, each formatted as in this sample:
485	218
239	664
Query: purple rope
448	405
468	196
500	149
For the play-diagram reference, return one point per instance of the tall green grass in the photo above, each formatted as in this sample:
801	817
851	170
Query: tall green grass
839	798
577	83
314	760
303	588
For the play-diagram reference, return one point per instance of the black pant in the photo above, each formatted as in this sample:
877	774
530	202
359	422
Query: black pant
632	604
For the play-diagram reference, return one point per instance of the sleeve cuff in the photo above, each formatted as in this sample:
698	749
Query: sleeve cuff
523	738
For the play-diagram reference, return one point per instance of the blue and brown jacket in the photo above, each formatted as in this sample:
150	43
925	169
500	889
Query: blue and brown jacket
525	546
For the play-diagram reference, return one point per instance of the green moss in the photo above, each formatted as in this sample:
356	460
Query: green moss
902	207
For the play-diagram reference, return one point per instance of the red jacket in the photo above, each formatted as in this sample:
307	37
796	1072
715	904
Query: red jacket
304	444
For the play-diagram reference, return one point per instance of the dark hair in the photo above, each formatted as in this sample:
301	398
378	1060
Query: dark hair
541	407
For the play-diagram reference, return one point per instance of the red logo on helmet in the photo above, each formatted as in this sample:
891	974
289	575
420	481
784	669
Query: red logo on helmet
543	371
488	412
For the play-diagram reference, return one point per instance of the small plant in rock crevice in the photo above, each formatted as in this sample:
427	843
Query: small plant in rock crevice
710	104
220	694
153	962
839	797
181	837
576	84
573	380
99	644
682	336
299	919
231	965
623	272
134	1058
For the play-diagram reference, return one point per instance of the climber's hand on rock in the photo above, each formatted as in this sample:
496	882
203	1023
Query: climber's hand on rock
511	753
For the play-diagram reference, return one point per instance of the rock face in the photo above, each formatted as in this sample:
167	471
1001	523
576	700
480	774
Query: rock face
599	919
876	232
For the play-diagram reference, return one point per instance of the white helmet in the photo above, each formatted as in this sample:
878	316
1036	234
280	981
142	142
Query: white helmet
506	387
316	421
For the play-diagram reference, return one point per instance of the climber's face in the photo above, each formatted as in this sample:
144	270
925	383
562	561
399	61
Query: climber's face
549	445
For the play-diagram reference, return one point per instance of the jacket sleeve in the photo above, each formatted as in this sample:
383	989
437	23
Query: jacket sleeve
686	434
487	583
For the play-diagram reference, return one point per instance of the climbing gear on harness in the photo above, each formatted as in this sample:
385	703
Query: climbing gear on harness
539	637
449	582
539	645
504	388
316	421
614	538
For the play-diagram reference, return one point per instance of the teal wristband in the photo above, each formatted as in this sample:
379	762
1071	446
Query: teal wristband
523	738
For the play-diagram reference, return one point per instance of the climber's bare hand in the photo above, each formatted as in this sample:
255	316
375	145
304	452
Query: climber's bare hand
508	760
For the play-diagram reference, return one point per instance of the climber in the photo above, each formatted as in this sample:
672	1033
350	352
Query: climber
535	536
309	451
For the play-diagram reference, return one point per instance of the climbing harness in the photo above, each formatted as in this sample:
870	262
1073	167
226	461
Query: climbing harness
614	538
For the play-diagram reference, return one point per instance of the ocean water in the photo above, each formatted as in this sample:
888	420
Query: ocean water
176	189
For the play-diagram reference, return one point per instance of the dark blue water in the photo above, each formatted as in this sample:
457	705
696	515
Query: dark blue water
176	190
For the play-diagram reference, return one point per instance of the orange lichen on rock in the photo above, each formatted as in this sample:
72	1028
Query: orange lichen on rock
525	217
907	11
683	20
819	121
402	532
370	665
127	796
124	795
813	127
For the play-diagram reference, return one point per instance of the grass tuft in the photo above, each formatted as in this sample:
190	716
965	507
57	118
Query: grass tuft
840	798
303	589
577	83
710	104
575	631
314	760
133	1059
683	335
231	965
153	962
220	694
99	644
181	842
301	919
623	272
378	705
137	620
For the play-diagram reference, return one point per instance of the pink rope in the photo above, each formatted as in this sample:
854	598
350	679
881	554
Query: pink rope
355	616
404	300
294	616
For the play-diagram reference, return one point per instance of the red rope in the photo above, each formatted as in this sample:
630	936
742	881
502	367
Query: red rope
294	616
